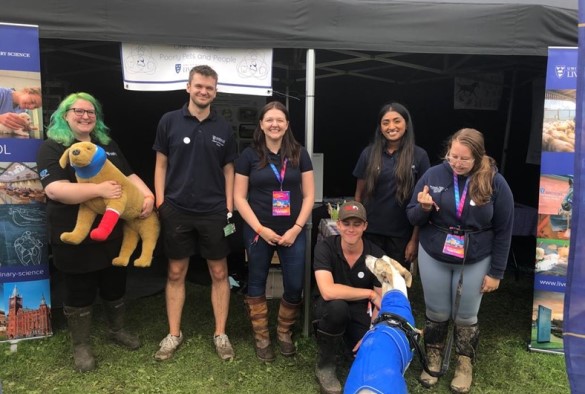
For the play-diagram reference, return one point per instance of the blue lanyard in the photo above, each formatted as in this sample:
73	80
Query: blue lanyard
279	177
459	203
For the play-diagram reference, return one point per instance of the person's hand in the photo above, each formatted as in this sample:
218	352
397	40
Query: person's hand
411	251
424	199
147	206
13	121
110	189
290	236
357	346
489	284
376	299
269	236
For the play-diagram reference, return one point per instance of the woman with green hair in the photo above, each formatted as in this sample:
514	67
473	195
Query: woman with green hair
87	268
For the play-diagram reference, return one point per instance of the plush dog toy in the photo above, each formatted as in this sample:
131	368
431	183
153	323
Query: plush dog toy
385	352
92	166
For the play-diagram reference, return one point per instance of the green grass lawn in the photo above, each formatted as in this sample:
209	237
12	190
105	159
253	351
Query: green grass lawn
504	364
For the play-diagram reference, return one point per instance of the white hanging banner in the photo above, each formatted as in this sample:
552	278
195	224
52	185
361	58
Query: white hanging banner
166	67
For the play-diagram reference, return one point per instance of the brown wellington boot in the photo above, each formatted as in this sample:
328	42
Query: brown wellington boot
435	334
466	343
287	316
258	313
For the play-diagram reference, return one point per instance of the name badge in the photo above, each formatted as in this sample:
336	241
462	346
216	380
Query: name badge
454	245
229	229
280	203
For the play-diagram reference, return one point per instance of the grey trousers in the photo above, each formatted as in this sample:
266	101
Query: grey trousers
439	281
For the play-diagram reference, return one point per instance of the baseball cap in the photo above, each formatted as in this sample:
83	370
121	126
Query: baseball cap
352	209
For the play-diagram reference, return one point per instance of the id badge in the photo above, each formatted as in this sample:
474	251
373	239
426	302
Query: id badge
280	203
229	229
454	245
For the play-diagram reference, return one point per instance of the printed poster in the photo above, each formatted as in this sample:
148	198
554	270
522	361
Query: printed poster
25	294
166	67
555	204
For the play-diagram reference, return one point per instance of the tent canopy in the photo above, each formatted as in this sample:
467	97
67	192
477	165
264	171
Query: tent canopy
520	27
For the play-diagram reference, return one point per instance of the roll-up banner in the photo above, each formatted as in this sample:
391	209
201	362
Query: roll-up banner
25	296
555	205
166	67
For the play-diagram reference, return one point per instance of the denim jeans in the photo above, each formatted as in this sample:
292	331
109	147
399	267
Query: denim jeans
292	263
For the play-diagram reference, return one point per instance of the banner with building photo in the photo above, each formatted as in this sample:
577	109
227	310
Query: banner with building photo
166	67
555	206
25	296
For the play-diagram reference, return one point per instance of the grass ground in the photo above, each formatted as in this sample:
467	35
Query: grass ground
45	366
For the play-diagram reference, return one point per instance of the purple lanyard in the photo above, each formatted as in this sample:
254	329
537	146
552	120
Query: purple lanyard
459	203
279	177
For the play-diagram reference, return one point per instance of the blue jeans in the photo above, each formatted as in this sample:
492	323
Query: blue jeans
292	263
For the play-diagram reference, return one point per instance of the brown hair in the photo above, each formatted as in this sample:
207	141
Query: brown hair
484	167
290	148
204	70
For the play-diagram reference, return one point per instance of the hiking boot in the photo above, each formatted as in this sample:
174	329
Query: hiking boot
223	347
168	346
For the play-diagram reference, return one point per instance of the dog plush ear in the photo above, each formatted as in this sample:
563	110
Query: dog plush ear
64	158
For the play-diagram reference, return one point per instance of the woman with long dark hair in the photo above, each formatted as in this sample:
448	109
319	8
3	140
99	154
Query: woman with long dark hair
386	173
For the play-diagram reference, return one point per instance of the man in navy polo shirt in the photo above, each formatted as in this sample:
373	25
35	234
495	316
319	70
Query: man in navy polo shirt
193	179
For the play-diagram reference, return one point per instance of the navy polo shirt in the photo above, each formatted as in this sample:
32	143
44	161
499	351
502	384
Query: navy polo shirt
385	215
196	152
262	182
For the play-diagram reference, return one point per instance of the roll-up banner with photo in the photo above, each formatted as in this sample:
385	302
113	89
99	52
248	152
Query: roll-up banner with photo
166	67
555	205
25	296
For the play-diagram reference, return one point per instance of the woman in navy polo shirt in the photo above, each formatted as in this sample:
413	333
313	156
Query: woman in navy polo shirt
386	173
274	192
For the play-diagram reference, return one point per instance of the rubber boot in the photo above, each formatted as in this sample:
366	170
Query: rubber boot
115	312
325	368
287	317
434	336
466	342
79	322
257	309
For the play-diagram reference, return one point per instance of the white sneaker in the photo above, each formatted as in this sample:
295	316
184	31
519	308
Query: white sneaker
168	346
223	347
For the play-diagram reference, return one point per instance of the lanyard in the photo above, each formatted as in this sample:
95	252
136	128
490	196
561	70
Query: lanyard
279	177
459	203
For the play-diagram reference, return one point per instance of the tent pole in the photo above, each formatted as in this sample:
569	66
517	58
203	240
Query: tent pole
309	133
508	124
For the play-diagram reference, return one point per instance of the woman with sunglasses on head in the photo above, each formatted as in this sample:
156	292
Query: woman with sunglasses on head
386	173
465	210
86	268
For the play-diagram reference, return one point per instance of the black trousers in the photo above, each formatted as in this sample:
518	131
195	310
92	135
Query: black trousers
82	288
339	317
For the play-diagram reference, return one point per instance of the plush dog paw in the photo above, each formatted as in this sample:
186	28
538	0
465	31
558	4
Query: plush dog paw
71	238
140	262
120	262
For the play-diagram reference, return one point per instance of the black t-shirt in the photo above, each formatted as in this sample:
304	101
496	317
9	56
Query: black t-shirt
329	257
62	217
262	182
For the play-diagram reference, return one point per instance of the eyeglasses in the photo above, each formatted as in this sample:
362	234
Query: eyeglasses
455	160
80	111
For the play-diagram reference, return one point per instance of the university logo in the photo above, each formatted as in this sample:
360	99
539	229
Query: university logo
560	71
178	68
